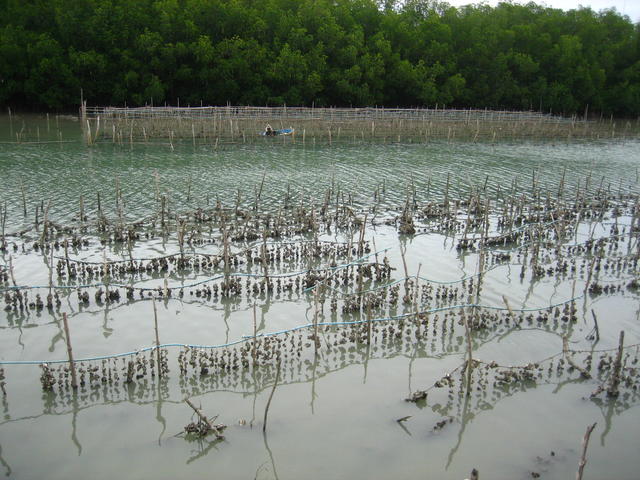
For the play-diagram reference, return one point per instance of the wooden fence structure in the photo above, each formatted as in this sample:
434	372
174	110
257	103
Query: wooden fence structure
242	124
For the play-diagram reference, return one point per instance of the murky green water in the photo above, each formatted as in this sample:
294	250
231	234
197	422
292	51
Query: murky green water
337	417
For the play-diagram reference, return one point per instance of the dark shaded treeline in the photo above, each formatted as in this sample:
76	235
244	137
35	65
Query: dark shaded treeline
322	52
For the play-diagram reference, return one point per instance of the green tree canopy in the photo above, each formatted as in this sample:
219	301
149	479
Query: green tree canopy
322	52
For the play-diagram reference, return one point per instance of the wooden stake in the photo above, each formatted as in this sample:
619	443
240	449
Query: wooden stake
446	194
129	249
612	391
81	209
361	239
369	325
3	221
316	340
469	354
155	325
265	260
225	241
565	351
404	264
162	207
13	279
259	191
417	290
255	333
45	224
66	258
595	321
506	302
24	198
74	382
50	271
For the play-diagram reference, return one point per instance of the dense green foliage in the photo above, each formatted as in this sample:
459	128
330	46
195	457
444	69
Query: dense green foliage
322	52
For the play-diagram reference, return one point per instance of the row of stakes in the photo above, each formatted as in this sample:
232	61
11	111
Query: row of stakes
620	275
134	370
554	224
510	210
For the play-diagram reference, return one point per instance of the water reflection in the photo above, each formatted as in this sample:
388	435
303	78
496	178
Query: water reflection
159	416
465	417
253	382
273	462
4	463
204	447
74	422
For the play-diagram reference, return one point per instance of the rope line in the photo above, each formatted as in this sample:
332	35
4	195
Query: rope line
355	262
246	338
197	254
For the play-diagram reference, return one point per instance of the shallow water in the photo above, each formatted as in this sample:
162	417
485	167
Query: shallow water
334	418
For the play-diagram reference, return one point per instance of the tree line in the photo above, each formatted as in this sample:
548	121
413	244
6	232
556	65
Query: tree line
317	52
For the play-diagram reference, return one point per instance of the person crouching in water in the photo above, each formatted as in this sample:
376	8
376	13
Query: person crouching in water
269	131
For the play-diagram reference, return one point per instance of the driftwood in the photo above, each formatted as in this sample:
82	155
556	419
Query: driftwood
416	396
204	426
567	355
585	444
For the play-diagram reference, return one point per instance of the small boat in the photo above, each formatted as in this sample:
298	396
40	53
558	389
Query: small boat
282	131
